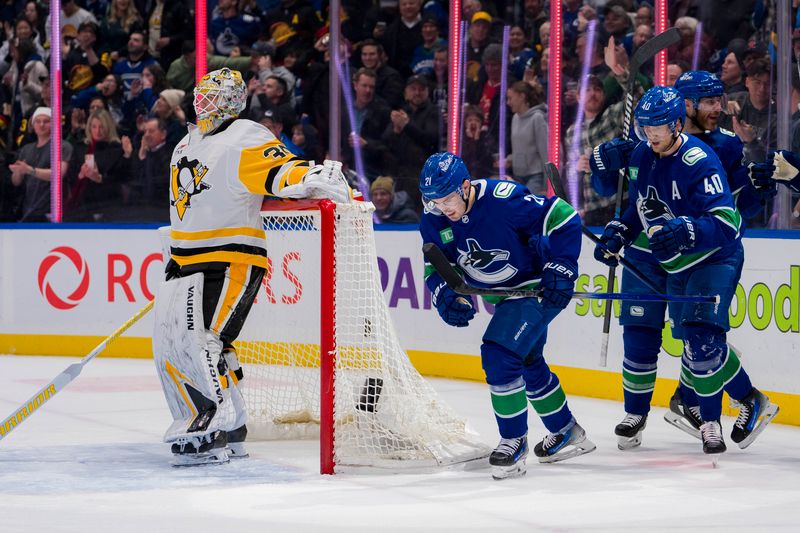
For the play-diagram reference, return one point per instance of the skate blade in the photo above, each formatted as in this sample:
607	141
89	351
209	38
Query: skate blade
680	422
569	451
210	458
500	473
626	443
769	413
715	460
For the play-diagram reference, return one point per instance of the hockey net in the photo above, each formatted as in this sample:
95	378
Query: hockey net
321	356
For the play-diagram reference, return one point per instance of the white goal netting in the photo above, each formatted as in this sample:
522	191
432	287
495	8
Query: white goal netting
385	415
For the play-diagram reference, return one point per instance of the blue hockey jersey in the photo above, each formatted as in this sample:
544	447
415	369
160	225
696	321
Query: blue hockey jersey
506	237
691	182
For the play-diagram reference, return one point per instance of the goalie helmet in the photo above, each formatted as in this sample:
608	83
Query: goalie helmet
442	174
220	95
659	106
697	84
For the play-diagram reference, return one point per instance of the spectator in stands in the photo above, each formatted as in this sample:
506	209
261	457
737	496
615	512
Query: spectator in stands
306	139
22	53
181	73
275	121
72	16
23	29
518	51
111	91
389	82
36	16
168	25
31	170
644	16
168	109
476	150
616	22
752	114
684	49
97	173
422	59
144	94
33	73
675	70
731	74
485	93
391	207
413	135
477	41
372	117
533	17
98	8
403	35
528	137
123	18
130	68
230	29
286	81
83	64
150	166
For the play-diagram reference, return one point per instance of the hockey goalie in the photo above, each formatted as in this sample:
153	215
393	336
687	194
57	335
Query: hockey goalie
220	172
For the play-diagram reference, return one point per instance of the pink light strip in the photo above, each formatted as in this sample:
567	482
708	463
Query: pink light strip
453	93
662	20
200	38
554	85
56	213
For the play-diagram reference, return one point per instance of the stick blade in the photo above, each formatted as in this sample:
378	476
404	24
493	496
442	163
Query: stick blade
649	49
434	255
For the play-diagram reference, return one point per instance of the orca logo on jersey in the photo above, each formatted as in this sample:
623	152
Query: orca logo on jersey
652	210
183	189
482	265
45	287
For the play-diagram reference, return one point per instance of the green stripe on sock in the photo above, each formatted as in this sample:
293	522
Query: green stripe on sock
731	367
509	405
710	384
686	377
550	403
638	383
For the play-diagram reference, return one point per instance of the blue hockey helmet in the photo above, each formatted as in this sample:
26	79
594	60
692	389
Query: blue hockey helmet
696	84
659	106
442	174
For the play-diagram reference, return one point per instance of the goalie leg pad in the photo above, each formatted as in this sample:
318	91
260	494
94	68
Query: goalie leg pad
187	359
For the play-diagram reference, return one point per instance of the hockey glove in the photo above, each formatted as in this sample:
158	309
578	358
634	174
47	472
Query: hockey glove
611	156
321	181
455	310
781	166
673	237
761	179
558	284
611	242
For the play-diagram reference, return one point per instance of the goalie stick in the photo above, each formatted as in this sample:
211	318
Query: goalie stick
643	54
435	256
64	378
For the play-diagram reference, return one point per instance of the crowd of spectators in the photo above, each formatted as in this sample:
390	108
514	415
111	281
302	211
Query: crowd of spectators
129	69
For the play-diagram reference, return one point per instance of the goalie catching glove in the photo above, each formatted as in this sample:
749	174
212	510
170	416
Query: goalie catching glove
321	181
455	310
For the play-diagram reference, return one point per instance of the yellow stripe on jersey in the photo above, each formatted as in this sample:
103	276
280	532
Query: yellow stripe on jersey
268	168
216	233
221	257
238	274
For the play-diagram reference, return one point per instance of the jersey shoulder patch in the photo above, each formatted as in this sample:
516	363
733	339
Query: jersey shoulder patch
727	132
503	189
693	155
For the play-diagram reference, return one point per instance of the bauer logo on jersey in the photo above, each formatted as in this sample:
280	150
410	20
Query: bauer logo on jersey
652	210
186	181
486	266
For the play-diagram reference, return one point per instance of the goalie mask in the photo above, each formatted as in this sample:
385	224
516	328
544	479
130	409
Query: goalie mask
220	95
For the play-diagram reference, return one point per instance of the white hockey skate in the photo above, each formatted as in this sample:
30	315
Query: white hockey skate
207	449
687	419
755	412
508	459
629	431
570	442
713	443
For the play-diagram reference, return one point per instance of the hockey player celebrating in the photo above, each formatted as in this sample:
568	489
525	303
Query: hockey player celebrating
683	212
642	322
220	173
501	236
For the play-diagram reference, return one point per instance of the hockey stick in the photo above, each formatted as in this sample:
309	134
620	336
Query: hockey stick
643	54
554	177
64	378
435	256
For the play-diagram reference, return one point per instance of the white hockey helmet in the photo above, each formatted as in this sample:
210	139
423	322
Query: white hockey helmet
220	95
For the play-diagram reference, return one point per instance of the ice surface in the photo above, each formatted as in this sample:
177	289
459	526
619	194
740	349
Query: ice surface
91	459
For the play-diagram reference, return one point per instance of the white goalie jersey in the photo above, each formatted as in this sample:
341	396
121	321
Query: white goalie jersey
217	184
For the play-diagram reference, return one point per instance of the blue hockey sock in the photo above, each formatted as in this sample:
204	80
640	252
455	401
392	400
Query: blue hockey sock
706	356
510	408
546	395
739	385
642	346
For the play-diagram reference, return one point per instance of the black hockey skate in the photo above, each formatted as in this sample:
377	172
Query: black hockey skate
508	459
713	443
755	412
235	447
567	444
202	450
683	417
630	431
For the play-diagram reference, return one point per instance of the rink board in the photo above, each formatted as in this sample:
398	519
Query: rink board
62	291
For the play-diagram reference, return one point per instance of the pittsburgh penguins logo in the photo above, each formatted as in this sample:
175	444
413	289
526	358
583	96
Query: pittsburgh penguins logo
652	210
182	191
487	266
